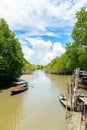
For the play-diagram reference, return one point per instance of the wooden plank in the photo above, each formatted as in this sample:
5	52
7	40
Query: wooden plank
83	99
74	121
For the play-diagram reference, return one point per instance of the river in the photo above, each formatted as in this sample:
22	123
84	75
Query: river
38	108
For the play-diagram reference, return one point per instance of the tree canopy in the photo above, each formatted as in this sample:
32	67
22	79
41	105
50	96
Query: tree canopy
79	33
27	67
76	52
11	56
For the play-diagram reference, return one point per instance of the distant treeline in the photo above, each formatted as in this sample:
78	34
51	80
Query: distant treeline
27	67
76	52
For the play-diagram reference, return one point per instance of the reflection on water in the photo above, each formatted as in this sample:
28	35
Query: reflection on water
35	109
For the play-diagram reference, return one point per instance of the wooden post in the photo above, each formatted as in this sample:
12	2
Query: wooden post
66	106
66	100
76	87
85	114
76	77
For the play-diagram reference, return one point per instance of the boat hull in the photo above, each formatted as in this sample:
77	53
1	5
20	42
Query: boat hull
19	89
13	92
64	103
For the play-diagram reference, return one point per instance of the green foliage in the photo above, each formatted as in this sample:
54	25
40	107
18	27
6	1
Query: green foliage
51	67
72	52
59	64
27	67
83	58
79	33
76	52
39	67
11	56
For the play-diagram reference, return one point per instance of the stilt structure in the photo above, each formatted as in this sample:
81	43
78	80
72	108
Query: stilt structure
76	87
74	121
78	96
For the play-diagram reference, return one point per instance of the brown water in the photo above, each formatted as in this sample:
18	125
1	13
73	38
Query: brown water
35	109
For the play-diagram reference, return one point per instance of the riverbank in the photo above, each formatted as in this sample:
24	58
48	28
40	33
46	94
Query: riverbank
59	73
27	76
22	78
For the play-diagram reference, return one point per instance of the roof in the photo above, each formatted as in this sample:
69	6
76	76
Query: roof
83	99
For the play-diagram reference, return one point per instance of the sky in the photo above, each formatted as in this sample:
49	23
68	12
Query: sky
43	27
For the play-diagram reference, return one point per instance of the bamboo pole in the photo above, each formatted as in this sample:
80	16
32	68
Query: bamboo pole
76	87
66	101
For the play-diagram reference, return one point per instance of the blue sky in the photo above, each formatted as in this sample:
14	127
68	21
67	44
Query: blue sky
43	27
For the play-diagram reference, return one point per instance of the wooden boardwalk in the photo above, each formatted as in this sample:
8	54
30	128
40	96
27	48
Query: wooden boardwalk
74	122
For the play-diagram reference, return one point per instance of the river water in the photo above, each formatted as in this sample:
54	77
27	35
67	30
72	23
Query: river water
38	108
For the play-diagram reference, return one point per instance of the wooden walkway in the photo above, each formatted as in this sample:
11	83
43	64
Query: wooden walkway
74	121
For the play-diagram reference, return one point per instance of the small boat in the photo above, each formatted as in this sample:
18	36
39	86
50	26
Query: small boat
64	102
62	96
19	81
18	89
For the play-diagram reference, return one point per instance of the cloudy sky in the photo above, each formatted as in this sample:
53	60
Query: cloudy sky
43	27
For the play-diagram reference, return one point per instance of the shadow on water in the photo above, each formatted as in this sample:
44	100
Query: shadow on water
17	93
5	85
8	84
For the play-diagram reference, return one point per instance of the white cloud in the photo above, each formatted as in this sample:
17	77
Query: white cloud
42	52
28	53
58	48
39	13
40	45
35	17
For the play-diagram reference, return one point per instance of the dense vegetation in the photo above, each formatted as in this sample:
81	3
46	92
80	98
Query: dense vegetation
27	67
12	61
76	52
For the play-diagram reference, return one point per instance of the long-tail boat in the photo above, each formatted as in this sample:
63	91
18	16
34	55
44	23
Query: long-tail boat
18	89
64	102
